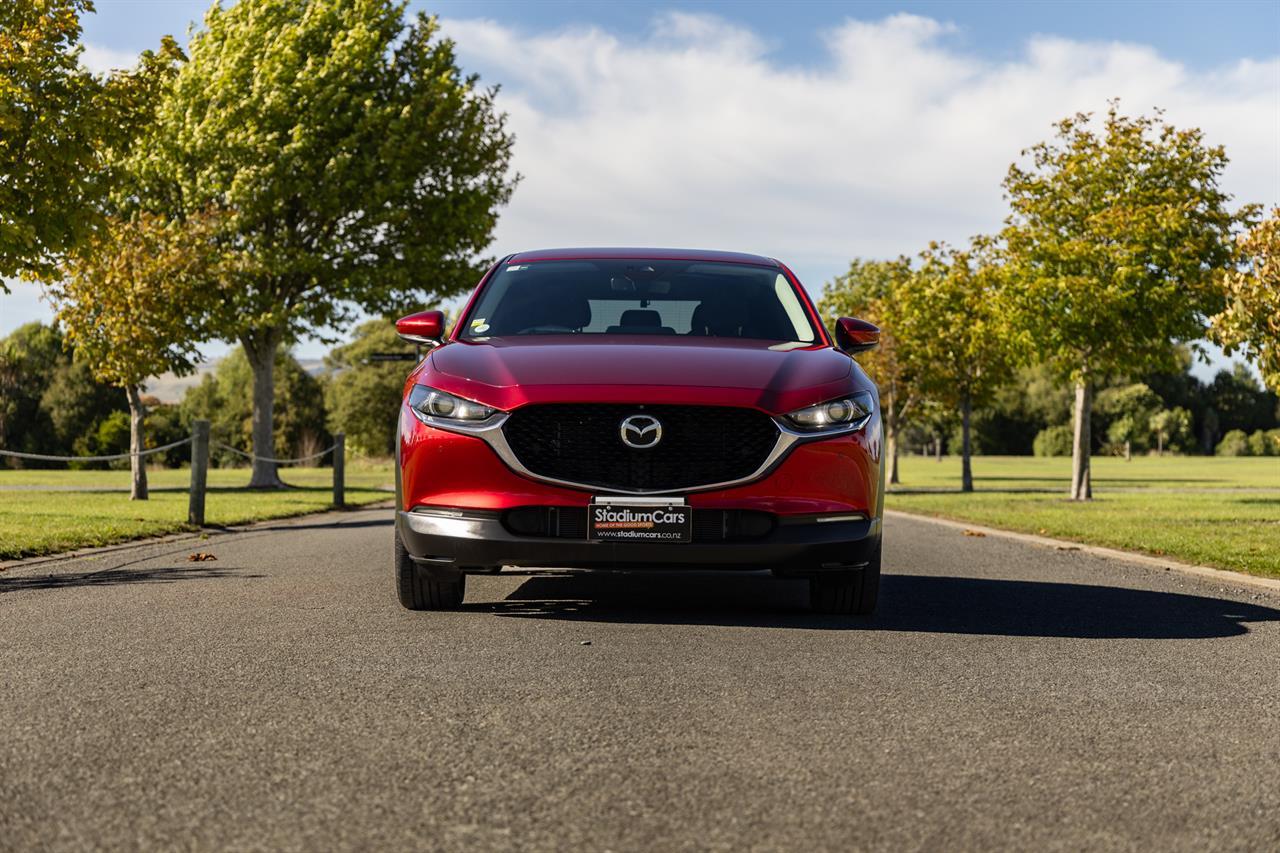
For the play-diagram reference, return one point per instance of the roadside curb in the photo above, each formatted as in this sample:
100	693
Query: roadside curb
204	534
1203	572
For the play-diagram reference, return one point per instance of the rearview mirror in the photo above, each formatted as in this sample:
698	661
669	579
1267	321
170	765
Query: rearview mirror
855	336
425	327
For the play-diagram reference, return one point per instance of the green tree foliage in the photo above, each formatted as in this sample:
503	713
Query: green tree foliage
28	358
225	399
953	313
1241	403
1251	318
1264	443
111	437
1234	443
357	165
50	128
873	291
50	401
364	396
76	402
59	125
1171	428
1053	441
1129	408
1116	235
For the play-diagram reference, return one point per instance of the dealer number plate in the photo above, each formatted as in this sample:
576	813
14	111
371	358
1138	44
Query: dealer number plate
639	520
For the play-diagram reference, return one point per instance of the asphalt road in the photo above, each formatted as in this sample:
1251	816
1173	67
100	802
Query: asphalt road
1006	696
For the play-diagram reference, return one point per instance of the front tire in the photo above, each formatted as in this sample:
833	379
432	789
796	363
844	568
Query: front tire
419	588
847	593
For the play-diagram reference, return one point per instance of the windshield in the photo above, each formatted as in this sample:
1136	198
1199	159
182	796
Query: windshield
640	297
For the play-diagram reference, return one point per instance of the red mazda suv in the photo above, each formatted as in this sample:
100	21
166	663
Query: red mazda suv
638	409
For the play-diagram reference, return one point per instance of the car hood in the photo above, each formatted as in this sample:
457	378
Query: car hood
506	372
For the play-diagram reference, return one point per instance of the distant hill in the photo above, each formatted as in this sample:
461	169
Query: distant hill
169	388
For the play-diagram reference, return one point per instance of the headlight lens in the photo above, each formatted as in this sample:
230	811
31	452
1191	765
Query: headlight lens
834	414
441	406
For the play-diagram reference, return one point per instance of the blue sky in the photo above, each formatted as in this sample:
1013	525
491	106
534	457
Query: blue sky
814	132
1202	34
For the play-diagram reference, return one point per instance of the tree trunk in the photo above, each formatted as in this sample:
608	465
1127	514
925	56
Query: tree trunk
966	468
1160	444
937	448
1128	450
137	464
891	440
261	351
1081	487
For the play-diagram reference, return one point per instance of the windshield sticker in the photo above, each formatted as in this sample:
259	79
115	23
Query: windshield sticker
516	267
479	325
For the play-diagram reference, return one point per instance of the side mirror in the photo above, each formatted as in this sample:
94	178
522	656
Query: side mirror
425	327
855	336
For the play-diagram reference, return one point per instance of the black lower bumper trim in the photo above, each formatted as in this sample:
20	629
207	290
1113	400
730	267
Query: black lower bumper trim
474	541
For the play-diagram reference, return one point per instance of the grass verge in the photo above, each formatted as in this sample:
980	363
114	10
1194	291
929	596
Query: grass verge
45	512
1215	512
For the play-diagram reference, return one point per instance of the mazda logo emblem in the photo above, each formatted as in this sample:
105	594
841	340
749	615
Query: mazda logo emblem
640	431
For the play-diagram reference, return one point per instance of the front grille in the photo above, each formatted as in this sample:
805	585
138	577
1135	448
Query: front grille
709	525
700	445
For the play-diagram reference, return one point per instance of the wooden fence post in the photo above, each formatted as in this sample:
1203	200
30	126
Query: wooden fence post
339	469
199	471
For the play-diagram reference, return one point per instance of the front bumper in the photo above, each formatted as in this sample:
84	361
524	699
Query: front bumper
477	540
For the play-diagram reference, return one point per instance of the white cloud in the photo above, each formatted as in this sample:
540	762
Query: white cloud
101	60
695	136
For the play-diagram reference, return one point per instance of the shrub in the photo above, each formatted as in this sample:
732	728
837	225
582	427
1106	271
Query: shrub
1265	443
1234	443
1054	441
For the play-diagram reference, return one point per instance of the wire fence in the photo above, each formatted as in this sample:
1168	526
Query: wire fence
200	445
300	459
116	457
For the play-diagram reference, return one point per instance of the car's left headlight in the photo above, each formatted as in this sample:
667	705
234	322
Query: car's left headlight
845	414
432	405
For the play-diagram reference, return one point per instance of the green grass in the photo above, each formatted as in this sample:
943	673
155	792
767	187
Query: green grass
1222	512
59	511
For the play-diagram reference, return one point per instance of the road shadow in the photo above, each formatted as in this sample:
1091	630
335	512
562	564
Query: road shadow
913	603
121	576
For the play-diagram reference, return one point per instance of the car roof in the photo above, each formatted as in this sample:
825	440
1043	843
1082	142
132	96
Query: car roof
643	254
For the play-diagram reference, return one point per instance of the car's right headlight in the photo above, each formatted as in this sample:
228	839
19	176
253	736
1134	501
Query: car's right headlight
845	413
433	406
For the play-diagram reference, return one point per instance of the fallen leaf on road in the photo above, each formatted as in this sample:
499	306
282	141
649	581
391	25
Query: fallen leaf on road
974	533
1068	547
200	557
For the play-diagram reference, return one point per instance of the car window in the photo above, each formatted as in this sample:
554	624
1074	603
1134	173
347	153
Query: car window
640	297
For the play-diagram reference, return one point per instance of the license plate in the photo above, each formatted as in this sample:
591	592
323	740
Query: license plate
639	520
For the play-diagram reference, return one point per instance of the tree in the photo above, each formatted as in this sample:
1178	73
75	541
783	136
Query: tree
225	399
872	291
954	315
50	124
58	125
1130	408
134	302
50	401
1251	318
1171	427
358	166
1115	238
363	396
1234	443
1241	403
